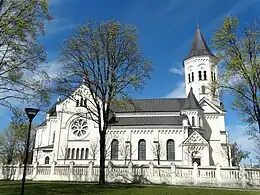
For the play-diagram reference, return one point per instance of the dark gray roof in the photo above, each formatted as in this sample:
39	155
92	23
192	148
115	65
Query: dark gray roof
150	105
191	102
199	46
153	120
52	111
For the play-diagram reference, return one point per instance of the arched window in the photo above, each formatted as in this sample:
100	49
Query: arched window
205	75
200	122
82	153
53	137
77	153
85	102
142	150
200	77
86	153
203	89
192	76
214	76
68	153
193	121
77	103
73	153
47	160
189	77
170	150
81	102
114	150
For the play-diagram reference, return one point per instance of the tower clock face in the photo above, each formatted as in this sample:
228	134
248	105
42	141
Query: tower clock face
79	128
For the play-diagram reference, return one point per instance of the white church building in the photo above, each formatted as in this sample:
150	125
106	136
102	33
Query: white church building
179	130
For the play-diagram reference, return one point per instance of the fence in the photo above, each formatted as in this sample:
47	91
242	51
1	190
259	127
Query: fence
148	174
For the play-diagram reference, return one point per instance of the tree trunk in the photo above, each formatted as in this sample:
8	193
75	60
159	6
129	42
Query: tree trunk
102	160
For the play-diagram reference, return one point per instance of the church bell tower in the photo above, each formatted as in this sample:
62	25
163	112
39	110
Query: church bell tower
201	71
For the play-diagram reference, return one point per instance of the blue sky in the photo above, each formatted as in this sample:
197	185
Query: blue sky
165	31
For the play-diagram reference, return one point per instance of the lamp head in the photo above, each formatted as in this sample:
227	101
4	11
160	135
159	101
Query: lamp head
31	113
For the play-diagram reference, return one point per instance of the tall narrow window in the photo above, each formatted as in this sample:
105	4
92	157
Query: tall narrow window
81	102
82	153
141	150
200	122
192	76
85	102
203	89
205	75
214	76
68	153
53	137
73	153
86	153
77	103
200	77
170	150
114	150
47	160
193	121
77	153
189	77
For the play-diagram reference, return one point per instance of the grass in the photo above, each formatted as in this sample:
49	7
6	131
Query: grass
66	188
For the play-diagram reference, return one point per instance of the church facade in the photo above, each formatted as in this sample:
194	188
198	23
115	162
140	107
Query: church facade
162	131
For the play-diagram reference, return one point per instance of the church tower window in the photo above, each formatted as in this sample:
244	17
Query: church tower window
189	77
214	76
192	76
200	76
193	121
205	75
114	150
142	149
170	150
203	89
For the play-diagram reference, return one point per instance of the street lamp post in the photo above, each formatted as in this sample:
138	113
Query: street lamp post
31	113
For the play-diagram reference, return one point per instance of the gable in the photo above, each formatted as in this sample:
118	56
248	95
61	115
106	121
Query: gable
195	138
209	107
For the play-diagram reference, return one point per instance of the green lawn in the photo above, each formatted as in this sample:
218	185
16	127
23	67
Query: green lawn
58	188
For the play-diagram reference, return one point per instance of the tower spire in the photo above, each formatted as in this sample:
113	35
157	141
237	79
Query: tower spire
199	46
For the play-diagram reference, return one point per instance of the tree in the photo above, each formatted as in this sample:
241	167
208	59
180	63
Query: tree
94	149
239	56
126	150
237	154
106	59
158	150
13	140
21	22
257	147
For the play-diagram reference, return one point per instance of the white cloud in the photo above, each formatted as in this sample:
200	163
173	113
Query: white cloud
178	92
52	68
177	71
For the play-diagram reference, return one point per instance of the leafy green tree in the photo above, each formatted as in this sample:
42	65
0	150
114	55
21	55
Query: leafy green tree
237	154
13	140
106	59
21	78
240	64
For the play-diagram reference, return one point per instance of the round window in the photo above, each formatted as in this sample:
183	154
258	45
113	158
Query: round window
79	127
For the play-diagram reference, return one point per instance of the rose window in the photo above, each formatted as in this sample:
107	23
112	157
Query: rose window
79	127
